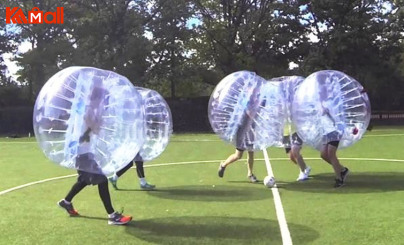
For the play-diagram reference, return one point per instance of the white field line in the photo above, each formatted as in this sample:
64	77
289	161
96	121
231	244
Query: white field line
34	183
382	135
286	237
280	214
192	162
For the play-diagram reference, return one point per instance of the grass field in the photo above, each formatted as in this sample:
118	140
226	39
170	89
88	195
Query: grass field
193	206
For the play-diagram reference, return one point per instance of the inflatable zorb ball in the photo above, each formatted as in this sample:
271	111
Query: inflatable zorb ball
158	124
247	111
330	103
89	119
288	86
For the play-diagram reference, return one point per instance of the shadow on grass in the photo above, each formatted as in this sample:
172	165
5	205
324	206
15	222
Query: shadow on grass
216	230
123	189
88	217
209	193
357	182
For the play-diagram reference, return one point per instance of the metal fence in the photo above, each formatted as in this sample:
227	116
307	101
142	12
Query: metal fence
189	115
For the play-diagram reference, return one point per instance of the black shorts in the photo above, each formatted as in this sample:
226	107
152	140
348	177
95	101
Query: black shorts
334	143
333	136
91	178
88	170
296	141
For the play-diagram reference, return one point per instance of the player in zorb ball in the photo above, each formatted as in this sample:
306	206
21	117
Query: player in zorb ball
90	120
291	140
331	110
158	128
246	111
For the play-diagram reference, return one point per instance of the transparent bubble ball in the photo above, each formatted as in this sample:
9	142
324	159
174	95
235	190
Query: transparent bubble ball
158	124
330	101
89	119
288	86
247	111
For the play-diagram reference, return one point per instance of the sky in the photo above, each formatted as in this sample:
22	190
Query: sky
11	65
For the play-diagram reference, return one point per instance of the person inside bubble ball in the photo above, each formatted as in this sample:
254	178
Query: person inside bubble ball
293	145
332	133
89	173
291	140
140	174
244	138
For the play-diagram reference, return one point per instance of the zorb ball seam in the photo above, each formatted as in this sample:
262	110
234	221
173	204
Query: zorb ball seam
246	111
92	114
330	106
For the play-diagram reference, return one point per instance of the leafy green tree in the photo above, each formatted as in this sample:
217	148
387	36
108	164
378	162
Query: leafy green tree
110	35
7	45
259	35
360	38
49	44
169	34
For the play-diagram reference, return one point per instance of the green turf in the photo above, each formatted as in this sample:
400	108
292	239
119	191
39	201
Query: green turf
193	206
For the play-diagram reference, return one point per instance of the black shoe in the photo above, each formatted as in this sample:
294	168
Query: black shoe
68	207
118	219
221	170
344	174
338	183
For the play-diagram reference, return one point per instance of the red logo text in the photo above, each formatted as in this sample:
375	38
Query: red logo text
35	16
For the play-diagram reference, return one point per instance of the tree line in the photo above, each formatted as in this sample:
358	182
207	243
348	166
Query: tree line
183	48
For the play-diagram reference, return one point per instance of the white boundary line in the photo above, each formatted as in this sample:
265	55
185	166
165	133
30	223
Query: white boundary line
34	183
191	162
280	214
285	233
382	135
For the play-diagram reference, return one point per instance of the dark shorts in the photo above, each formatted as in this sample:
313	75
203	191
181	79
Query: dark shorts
332	138
334	143
91	178
88	170
296	141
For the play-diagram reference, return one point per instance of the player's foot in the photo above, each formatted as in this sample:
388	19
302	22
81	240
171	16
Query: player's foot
307	171
252	178
344	174
338	183
147	187
118	219
302	177
68	207
114	181
221	170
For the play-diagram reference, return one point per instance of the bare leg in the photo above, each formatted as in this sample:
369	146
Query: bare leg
232	158
329	154
324	154
250	163
292	157
297	157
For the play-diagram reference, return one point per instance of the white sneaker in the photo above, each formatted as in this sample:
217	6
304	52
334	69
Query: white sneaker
307	171
302	177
